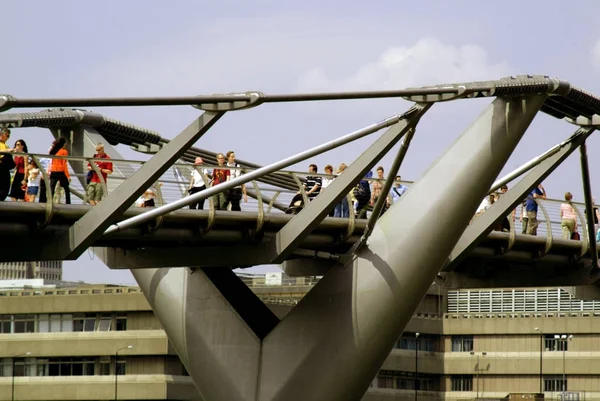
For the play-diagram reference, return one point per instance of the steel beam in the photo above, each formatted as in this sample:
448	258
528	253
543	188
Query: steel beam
589	204
339	334
182	256
482	226
244	178
91	226
293	233
387	186
216	345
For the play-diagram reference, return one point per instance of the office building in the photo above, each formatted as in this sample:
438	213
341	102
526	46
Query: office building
66	343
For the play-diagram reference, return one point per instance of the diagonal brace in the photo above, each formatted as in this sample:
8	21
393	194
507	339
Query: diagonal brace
387	186
589	207
483	225
92	225
294	232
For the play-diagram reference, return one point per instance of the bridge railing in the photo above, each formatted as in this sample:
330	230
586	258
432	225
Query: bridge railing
174	183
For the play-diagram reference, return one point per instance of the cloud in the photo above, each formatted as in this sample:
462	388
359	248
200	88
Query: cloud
428	61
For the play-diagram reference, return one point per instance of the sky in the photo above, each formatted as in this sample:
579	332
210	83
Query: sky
156	48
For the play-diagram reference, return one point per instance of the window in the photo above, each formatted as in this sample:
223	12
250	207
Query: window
462	383
555	344
121	322
120	367
462	343
104	366
24	324
105	322
555	383
385	379
6	367
71	366
5	323
84	321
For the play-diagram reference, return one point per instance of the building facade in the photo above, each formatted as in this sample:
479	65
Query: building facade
68	343
47	270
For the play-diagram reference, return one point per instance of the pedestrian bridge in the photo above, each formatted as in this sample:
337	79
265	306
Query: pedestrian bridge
500	259
375	271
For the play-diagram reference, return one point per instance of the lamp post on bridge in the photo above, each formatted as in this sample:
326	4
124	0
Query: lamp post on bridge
116	365
13	374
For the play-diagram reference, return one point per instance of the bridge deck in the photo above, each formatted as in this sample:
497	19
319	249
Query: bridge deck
188	228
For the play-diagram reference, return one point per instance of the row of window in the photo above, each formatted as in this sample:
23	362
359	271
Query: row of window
517	300
63	322
425	342
465	343
465	383
426	382
64	366
406	381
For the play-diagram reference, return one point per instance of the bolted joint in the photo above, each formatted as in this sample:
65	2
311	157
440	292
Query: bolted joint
7	102
438	97
583	121
248	100
147	148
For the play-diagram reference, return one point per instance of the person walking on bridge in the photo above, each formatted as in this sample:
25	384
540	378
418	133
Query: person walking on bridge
197	183
94	190
59	170
568	217
532	208
6	164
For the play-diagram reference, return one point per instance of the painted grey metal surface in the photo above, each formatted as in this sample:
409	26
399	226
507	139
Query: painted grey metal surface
254	174
589	205
82	234
295	231
483	224
339	334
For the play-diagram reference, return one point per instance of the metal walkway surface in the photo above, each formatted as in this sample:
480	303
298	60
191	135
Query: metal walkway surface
501	259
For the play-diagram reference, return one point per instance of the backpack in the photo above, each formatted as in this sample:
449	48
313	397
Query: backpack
8	163
362	192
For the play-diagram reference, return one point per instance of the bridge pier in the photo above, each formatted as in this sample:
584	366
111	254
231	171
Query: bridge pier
330	346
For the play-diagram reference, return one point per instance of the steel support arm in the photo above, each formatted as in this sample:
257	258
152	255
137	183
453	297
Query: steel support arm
293	233
244	178
338	336
92	225
482	226
387	186
589	204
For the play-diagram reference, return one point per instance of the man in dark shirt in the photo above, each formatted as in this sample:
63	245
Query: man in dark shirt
312	185
532	208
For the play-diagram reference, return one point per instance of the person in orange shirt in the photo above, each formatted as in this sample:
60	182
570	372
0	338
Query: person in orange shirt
59	171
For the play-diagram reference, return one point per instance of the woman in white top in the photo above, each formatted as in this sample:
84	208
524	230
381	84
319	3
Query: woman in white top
34	177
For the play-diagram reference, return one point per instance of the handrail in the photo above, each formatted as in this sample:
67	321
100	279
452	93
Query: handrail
49	202
301	188
273	199
161	202
549	236
260	218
